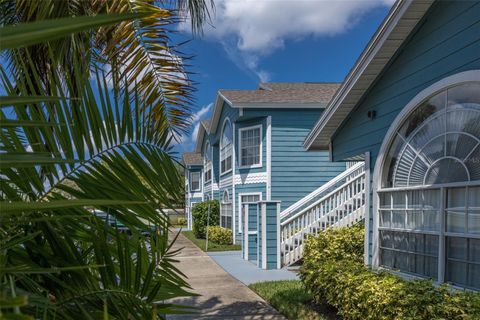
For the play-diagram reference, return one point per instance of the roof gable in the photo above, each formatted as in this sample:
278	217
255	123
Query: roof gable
395	29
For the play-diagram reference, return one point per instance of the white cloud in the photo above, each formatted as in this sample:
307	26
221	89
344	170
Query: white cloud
197	116
255	28
264	25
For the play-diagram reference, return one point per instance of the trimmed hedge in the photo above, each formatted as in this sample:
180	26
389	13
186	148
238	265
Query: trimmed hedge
333	271
200	214
220	235
181	221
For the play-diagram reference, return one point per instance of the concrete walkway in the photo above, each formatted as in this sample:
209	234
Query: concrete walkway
222	296
246	271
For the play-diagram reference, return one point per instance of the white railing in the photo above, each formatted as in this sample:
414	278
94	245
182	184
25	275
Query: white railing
352	172
344	206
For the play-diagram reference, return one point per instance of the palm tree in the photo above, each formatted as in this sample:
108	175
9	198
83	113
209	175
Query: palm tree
77	135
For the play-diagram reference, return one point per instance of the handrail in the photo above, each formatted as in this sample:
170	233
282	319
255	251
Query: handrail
314	204
342	206
320	190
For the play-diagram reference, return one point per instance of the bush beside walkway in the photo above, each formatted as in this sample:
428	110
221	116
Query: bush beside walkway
212	246
333	271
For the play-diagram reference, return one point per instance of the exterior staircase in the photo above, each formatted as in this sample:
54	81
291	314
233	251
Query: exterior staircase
338	203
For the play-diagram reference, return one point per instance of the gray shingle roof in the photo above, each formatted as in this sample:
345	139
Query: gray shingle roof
283	93
192	159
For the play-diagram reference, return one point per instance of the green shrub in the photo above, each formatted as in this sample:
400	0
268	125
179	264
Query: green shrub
181	221
333	271
220	235
200	214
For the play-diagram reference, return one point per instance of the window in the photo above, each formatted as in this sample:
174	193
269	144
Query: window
226	148
195	181
207	197
208	162
429	203
226	211
251	146
247	198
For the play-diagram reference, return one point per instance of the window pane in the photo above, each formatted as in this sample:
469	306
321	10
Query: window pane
474	276
431	220
456	272
398	219
385	200
415	199
399	200
385	218
455	221
250	147
457	248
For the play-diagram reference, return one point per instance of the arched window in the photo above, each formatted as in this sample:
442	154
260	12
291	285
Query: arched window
226	148
429	196
226	211
207	154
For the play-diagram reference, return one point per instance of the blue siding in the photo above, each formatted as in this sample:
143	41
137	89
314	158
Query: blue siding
296	172
447	42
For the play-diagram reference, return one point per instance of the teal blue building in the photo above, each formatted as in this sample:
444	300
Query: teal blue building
193	164
410	108
252	148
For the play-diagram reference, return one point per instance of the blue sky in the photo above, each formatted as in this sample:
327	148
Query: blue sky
278	41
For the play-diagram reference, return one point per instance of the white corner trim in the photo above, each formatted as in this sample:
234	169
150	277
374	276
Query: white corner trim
245	234
233	186
249	178
269	157
462	77
240	130
368	214
279	258
264	235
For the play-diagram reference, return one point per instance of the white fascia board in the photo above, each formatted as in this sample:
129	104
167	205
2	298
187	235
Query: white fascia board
217	111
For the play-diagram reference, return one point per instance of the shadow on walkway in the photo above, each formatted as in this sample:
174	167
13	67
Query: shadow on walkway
221	295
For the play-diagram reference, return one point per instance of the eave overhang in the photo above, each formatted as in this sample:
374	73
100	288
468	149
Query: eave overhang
397	26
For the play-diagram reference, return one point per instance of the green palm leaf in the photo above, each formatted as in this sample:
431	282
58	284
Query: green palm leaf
27	34
70	146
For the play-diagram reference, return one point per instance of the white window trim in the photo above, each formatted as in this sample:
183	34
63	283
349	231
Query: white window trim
445	83
199	180
257	165
230	198
208	164
240	225
220	151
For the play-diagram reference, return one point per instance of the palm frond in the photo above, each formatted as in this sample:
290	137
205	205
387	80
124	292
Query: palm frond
69	262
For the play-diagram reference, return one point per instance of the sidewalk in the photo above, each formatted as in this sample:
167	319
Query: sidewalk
222	296
246	271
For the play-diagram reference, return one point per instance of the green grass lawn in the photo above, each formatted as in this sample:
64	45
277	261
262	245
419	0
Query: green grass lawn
291	299
211	246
